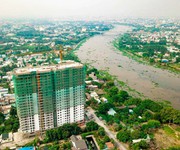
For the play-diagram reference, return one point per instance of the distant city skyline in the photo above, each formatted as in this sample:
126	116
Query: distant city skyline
89	8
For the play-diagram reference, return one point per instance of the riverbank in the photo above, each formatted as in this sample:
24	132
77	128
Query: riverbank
155	83
170	67
80	44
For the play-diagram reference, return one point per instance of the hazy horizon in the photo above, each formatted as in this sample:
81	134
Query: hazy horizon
89	8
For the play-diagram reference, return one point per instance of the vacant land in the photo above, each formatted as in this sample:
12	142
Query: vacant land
167	137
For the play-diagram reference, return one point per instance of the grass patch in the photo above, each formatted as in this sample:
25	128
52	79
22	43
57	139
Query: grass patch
87	133
168	130
178	129
119	66
122	83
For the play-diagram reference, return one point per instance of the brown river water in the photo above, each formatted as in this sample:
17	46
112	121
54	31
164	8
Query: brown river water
154	83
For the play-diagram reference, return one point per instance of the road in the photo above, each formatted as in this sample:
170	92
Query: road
108	132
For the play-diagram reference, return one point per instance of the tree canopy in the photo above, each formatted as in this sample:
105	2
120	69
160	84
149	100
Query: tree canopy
123	136
2	118
91	126
62	132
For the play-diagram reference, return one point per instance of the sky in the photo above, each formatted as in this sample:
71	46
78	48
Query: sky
89	8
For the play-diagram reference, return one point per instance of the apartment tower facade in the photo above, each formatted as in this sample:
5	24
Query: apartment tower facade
49	96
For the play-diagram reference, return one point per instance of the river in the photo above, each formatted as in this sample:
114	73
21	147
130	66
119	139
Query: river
155	83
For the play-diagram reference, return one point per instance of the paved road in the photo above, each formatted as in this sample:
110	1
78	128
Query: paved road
109	133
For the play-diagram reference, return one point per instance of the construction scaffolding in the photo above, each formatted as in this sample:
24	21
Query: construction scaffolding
48	97
40	102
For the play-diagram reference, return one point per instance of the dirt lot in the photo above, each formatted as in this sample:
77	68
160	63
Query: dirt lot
167	137
19	140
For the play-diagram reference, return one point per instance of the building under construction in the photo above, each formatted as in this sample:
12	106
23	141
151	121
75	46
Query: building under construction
49	96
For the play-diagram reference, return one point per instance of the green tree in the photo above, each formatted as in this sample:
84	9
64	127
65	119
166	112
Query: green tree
62	132
89	78
91	126
75	129
101	131
113	91
89	71
66	146
2	118
147	104
148	115
124	94
13	111
2	128
141	145
110	84
66	134
36	141
152	124
135	134
54	147
51	135
120	97
92	102
59	133
169	115
15	126
106	139
8	128
123	136
104	107
117	127
151	60
97	83
133	101
177	59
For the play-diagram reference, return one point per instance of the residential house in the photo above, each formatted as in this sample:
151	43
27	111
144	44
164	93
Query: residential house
78	143
109	146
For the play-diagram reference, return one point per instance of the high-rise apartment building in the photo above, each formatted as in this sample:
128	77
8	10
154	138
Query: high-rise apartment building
49	96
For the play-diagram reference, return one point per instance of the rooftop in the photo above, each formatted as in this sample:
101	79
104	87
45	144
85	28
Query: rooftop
5	136
60	66
111	112
79	144
109	145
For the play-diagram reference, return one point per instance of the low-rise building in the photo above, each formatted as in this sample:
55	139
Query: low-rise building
92	87
6	137
78	143
104	99
95	96
111	112
3	91
109	146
